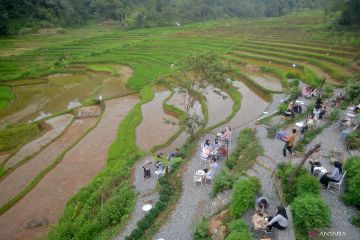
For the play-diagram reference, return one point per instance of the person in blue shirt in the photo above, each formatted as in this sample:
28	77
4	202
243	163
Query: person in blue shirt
333	176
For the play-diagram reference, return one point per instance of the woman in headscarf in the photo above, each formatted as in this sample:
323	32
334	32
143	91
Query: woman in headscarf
333	176
280	221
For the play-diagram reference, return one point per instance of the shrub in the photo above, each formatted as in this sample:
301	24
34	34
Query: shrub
310	212
353	89
201	231
283	173
306	184
293	75
294	83
243	196
352	193
222	181
354	140
239	230
283	107
356	220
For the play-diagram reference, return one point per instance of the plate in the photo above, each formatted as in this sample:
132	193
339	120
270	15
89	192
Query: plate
147	207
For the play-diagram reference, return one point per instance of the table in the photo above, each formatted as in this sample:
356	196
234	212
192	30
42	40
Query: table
300	124
147	207
259	221
200	173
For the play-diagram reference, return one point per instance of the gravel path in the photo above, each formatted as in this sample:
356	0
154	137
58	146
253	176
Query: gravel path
341	214
76	169
146	189
57	126
195	201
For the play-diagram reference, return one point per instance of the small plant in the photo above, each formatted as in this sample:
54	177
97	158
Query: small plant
245	190
353	140
201	231
223	181
239	230
310	212
306	184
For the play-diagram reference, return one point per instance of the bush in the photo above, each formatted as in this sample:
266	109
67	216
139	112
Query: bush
201	231
356	220
245	190
294	83
222	181
353	89
293	75
283	107
239	230
306	184
310	212
354	140
352	180
283	173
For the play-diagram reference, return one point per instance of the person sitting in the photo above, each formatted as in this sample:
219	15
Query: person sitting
333	176
214	166
174	154
206	149
280	221
227	134
289	111
315	161
262	205
215	148
306	92
297	108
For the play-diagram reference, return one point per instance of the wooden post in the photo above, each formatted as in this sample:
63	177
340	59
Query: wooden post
298	168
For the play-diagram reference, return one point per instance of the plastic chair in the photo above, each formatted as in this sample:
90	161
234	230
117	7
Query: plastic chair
160	172
198	179
336	185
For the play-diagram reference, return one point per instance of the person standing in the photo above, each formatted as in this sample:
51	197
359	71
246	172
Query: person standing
147	169
289	142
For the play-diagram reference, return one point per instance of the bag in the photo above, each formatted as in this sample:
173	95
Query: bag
281	135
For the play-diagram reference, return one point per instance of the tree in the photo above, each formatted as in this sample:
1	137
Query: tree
192	76
298	168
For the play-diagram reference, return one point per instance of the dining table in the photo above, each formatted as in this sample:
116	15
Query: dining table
260	220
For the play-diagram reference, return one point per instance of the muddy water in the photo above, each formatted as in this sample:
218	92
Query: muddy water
219	105
57	126
21	177
60	90
76	169
267	81
156	126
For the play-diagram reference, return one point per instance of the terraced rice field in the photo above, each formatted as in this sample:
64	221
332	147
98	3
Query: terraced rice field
49	71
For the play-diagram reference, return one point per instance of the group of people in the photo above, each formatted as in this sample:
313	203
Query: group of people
308	92
217	149
279	221
158	164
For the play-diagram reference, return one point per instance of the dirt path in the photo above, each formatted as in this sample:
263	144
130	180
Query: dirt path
154	129
195	201
22	176
57	124
76	169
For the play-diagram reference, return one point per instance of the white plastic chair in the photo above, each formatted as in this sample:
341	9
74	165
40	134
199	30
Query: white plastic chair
209	177
336	185
160	172
198	179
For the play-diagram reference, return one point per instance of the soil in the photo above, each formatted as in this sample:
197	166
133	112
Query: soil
22	176
57	125
76	169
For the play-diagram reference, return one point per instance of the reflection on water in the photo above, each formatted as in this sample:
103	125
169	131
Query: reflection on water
42	115
63	91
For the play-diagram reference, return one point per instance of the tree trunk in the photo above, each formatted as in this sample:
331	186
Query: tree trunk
298	168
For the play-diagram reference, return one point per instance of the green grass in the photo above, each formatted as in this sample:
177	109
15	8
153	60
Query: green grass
13	137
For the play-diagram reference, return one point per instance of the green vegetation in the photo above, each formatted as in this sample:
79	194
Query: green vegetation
245	190
239	230
243	156
5	96
104	205
26	16
352	181
13	137
310	212
201	231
